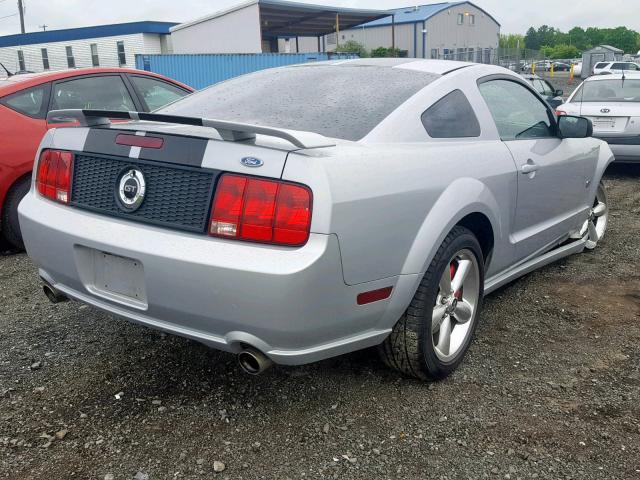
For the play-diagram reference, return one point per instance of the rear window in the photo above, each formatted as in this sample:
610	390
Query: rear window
345	101
609	91
28	102
451	117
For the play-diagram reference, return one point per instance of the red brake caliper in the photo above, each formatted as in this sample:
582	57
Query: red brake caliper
452	268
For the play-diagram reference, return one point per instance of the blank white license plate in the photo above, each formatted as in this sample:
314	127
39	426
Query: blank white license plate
606	123
119	276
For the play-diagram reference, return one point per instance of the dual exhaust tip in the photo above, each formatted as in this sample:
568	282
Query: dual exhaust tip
251	360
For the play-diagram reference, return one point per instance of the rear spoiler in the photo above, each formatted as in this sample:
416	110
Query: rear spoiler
229	131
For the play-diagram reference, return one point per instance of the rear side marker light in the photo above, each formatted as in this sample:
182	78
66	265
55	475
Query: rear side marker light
374	295
53	179
139	141
259	210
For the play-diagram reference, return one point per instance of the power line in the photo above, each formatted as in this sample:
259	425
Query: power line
12	15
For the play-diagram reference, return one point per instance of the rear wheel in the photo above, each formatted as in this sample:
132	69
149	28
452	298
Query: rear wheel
431	338
10	225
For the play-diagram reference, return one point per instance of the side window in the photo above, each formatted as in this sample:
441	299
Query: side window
517	112
451	117
28	102
98	92
156	93
538	85
549	90
600	65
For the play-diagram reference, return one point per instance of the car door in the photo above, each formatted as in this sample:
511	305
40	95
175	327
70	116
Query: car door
552	171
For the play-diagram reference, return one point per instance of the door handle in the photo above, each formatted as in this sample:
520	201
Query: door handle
529	167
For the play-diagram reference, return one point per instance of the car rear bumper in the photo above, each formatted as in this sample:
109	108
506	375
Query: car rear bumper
292	304
626	149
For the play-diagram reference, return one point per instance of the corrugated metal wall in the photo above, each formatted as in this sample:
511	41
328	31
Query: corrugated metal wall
202	70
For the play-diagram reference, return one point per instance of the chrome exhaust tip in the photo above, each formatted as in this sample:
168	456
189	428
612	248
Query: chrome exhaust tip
54	295
253	361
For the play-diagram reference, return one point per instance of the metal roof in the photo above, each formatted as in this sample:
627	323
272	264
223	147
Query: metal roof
421	13
287	18
605	47
82	33
279	17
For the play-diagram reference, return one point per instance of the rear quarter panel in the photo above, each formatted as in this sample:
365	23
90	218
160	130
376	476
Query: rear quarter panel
392	205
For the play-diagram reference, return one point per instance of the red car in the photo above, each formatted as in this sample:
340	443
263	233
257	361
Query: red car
25	101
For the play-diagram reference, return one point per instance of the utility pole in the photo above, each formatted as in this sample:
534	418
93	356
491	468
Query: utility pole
21	10
43	27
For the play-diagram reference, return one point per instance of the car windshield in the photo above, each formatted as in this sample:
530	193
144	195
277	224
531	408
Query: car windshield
339	101
619	90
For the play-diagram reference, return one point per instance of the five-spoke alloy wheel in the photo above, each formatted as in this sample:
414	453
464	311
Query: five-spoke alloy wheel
455	305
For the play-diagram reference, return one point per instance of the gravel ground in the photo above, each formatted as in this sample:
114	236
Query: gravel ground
549	389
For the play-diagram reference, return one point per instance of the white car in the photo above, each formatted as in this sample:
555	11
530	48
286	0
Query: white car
612	103
577	69
615	67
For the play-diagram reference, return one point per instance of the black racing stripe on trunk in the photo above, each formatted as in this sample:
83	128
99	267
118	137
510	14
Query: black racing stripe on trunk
177	149
104	141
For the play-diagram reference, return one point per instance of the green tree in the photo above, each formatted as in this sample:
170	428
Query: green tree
531	40
621	38
578	37
388	52
351	46
560	51
512	40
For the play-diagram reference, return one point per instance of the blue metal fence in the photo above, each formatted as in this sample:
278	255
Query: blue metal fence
202	70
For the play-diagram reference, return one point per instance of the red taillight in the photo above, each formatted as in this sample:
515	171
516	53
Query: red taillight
54	175
258	210
560	113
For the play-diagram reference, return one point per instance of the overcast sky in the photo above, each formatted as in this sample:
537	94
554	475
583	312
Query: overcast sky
514	15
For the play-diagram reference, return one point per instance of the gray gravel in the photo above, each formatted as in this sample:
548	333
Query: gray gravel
550	389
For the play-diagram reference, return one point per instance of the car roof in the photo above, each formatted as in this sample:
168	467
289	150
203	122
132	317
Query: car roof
438	67
19	82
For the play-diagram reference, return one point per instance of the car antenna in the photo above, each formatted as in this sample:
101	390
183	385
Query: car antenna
9	74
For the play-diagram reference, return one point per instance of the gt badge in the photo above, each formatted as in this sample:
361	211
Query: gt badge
130	189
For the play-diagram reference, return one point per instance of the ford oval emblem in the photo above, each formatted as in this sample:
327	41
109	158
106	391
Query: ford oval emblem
252	162
605	110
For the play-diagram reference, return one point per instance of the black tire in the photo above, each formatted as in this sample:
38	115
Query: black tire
10	225
409	348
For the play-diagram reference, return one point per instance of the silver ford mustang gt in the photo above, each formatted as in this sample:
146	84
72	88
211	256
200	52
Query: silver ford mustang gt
299	213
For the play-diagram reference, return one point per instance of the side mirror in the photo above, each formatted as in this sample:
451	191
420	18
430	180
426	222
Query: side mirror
574	127
558	93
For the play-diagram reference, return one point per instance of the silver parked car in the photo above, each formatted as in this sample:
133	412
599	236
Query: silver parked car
299	213
612	103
